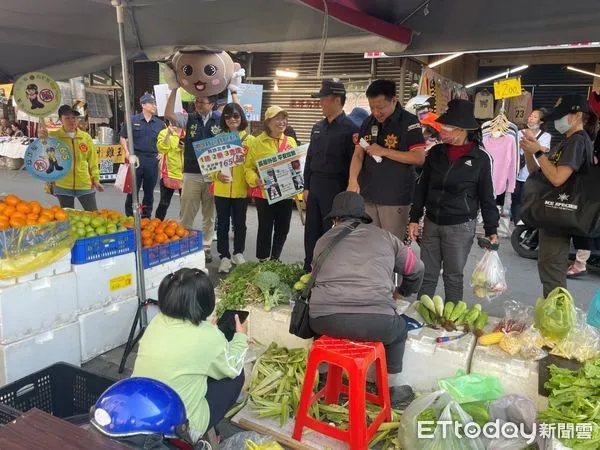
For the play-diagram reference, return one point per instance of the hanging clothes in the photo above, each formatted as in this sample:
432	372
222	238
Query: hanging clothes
501	141
484	105
517	109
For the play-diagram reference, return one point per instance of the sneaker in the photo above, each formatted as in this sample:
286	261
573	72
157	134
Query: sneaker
208	255
238	259
225	265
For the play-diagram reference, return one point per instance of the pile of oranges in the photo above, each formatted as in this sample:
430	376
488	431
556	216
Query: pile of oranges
155	232
17	213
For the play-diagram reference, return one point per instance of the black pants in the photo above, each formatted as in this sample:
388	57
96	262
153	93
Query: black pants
273	227
88	202
221	395
500	199
516	200
146	177
166	194
228	210
388	329
320	198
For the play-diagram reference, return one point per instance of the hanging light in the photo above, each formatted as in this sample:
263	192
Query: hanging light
445	59
499	75
286	73
575	69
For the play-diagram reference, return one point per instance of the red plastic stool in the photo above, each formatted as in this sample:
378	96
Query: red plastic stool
355	357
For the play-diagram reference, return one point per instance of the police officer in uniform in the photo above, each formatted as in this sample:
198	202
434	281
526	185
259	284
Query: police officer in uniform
327	165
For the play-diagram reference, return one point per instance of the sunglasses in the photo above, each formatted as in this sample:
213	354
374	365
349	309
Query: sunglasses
234	116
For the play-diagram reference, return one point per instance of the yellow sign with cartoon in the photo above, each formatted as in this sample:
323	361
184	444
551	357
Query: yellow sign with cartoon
37	94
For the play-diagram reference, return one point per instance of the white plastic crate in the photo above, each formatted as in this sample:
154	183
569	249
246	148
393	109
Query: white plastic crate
34	353
102	282
59	267
273	326
36	306
425	361
106	328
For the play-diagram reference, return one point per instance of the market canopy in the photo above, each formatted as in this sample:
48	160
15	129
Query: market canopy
73	37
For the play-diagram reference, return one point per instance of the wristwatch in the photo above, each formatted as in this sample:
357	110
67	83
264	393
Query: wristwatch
539	154
233	92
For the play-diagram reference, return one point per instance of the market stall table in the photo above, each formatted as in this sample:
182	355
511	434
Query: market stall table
36	429
13	148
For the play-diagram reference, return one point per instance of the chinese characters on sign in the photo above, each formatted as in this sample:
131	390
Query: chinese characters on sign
109	157
282	174
221	152
37	94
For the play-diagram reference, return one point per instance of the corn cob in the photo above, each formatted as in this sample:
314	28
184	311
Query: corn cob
491	338
458	310
428	303
448	307
438	302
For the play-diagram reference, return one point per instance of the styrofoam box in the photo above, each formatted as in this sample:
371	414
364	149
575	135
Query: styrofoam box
100	283
106	328
34	353
273	326
36	306
61	266
425	361
154	275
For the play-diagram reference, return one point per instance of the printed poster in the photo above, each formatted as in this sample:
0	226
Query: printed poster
220	152
251	100
161	94
5	91
283	174
48	159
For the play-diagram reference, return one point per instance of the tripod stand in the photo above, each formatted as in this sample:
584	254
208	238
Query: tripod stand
131	340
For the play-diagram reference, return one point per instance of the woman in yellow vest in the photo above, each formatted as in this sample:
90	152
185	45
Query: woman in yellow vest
273	220
231	193
170	147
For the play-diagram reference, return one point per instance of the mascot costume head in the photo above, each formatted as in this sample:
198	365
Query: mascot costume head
204	73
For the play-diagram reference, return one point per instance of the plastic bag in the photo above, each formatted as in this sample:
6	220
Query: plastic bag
581	343
270	445
238	440
555	315
27	249
515	409
593	313
488	279
439	406
517	317
473	387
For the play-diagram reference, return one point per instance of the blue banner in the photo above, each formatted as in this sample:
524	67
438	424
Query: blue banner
251	100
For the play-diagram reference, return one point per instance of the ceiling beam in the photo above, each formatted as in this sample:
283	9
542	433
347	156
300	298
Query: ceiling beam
533	58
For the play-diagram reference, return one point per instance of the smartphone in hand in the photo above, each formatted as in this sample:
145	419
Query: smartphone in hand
226	322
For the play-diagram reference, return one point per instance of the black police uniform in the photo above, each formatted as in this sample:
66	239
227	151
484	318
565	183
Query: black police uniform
325	175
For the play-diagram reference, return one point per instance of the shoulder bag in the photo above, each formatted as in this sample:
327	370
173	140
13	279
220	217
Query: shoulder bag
299	322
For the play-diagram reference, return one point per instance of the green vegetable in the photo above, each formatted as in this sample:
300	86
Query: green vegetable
472	316
448	308
555	315
438	302
428	303
425	314
458	310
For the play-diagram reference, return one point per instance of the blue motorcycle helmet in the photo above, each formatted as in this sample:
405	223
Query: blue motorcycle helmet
140	406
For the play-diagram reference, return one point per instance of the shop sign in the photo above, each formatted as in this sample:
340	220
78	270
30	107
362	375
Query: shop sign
305	104
112	152
508	88
48	159
37	94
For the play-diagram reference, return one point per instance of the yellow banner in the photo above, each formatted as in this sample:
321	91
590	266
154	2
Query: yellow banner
5	91
511	87
114	152
121	282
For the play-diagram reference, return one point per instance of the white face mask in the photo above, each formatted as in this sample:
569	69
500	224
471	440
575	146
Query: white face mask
533	126
562	125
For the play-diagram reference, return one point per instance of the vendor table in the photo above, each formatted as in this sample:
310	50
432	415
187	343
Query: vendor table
13	149
36	429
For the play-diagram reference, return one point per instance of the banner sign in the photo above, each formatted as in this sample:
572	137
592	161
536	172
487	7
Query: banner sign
220	152
37	94
282	174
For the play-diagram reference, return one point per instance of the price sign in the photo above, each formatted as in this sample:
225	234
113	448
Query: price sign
510	87
113	152
121	282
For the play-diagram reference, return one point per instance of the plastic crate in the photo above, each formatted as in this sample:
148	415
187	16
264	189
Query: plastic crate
96	248
61	389
162	253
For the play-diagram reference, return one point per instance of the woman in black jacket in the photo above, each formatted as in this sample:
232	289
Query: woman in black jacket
456	182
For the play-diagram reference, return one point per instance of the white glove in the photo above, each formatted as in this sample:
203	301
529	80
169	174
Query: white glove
236	80
170	77
134	160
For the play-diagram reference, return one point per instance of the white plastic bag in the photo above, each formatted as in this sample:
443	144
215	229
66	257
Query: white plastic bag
444	409
488	279
514	409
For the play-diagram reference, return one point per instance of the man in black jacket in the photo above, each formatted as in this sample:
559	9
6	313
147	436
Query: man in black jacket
456	181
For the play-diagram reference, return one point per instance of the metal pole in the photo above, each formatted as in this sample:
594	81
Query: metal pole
141	284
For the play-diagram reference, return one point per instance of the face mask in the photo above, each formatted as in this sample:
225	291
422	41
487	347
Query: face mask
533	126
448	135
562	125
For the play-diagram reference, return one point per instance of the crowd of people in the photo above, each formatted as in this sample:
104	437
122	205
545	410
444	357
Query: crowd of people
378	181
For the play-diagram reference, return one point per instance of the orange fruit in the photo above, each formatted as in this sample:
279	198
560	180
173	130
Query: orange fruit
128	224
48	213
159	229
24	208
170	231
31	221
4	223
12	200
35	207
144	223
175	238
19	215
56	208
146	234
150	228
2	207
180	231
17	222
61	215
32	216
43	219
9	211
146	242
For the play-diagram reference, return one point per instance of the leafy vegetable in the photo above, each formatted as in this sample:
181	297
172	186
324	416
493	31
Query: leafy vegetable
575	398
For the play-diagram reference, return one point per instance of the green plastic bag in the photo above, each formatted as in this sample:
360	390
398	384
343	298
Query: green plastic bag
472	387
555	315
